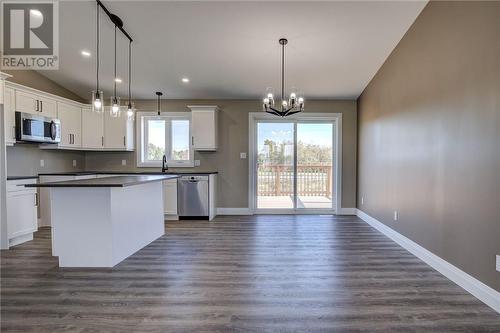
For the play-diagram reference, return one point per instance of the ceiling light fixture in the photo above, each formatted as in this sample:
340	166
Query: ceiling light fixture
130	105
97	94
185	80
287	108
86	53
35	12
115	100
118	80
158	104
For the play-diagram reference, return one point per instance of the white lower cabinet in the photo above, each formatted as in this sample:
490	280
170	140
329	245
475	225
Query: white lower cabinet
21	211
170	198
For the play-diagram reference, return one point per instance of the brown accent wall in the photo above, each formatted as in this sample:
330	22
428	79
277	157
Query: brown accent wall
429	136
233	139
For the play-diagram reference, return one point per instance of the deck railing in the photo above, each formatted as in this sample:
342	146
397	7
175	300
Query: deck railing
277	180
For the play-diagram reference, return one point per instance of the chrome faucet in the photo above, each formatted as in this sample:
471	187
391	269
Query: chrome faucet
164	166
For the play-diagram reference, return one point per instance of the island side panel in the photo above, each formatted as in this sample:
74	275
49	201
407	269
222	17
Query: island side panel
81	222
137	218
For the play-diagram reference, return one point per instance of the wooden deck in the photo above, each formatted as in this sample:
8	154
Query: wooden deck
241	274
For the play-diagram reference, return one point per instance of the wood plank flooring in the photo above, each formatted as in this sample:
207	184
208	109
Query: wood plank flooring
241	274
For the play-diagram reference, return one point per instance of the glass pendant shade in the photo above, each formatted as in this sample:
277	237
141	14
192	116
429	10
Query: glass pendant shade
97	101
114	109
130	110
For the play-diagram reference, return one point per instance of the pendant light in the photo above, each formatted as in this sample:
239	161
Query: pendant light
158	102
97	95
130	106
286	108
115	100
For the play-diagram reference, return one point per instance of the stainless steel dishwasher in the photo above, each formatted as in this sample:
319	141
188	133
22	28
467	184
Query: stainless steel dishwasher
193	197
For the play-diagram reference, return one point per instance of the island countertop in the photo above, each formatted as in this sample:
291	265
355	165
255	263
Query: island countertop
118	181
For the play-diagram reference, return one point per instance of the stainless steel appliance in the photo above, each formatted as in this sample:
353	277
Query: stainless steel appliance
35	128
193	196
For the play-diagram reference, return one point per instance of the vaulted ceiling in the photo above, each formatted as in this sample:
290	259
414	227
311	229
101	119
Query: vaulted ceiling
230	49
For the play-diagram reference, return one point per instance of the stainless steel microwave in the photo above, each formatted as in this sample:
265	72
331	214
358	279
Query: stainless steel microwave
35	128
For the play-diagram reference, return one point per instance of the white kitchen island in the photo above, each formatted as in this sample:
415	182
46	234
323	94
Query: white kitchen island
101	221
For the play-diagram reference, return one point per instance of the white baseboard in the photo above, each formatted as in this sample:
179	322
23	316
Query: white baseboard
485	294
233	211
347	211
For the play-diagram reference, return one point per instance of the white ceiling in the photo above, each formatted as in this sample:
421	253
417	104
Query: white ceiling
230	49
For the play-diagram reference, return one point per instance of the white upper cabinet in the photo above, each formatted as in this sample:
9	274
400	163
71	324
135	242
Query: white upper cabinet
71	124
10	122
92	129
204	127
35	104
118	131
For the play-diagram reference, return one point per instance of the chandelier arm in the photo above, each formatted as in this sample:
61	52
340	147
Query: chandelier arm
273	112
293	112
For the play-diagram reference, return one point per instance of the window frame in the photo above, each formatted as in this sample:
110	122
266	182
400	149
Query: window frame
141	132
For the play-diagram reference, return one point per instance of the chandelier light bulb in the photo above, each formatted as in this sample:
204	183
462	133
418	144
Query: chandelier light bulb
301	100
266	100
285	103
97	103
115	108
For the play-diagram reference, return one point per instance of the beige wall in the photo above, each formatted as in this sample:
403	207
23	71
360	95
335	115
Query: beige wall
429	136
24	159
233	136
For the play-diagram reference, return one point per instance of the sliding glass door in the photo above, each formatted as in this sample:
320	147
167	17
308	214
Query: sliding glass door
294	166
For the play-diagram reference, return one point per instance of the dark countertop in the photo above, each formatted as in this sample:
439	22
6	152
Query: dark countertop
118	181
21	177
86	173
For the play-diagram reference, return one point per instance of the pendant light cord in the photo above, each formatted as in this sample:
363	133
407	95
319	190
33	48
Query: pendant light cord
97	48
282	74
129	72
114	79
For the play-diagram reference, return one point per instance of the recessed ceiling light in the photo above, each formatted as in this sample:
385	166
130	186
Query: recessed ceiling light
86	53
185	80
118	80
35	12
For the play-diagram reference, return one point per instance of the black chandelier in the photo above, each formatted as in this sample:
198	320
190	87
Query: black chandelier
287	108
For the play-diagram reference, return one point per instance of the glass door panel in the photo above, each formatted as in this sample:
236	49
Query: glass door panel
275	165
314	165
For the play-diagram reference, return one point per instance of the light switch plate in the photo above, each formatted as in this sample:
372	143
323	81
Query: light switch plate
74	163
124	162
243	155
396	215
42	163
498	263
197	162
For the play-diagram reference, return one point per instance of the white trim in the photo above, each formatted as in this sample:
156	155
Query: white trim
140	138
485	294
17	86
253	117
234	211
347	211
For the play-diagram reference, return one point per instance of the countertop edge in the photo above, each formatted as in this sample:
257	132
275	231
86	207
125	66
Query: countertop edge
88	182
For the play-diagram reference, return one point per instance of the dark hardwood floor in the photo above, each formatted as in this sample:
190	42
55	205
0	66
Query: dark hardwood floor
241	274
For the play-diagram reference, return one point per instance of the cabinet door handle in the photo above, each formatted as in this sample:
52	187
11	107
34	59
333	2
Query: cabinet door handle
36	199
124	144
102	140
37	105
192	140
41	106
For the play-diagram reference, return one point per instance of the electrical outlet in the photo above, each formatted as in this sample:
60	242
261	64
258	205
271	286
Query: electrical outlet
243	155
498	263
42	163
197	162
396	215
74	163
124	162
362	200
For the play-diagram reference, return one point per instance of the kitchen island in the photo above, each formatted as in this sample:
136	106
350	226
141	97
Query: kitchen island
99	222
